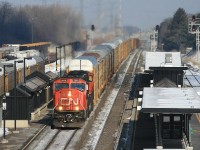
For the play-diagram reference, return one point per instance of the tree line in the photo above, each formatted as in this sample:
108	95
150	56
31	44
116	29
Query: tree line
27	24
173	32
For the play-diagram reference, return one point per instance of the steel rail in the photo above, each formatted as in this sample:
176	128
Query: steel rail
33	138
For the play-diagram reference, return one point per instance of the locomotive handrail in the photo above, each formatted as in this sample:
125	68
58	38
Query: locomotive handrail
82	106
54	109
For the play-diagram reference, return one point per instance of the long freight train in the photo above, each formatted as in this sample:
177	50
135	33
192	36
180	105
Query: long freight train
87	75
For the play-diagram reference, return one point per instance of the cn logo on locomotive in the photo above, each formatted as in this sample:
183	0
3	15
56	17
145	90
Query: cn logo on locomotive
69	101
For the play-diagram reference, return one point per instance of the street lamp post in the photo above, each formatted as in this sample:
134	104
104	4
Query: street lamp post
32	30
60	61
28	58
15	95
56	59
4	103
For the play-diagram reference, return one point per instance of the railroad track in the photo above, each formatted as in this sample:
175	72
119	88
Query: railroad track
48	139
104	131
128	116
121	106
61	140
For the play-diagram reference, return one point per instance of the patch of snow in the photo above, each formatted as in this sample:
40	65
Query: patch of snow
2	131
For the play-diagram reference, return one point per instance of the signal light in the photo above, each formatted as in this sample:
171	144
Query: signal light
193	28
157	27
92	27
193	18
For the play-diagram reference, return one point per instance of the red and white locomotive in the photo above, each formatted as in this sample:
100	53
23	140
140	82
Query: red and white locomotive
87	75
73	99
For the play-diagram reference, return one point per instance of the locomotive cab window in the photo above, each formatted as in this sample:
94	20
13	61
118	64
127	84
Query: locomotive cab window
90	78
59	86
79	86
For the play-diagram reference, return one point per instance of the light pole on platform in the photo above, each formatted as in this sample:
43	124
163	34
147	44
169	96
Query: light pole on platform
15	95
4	103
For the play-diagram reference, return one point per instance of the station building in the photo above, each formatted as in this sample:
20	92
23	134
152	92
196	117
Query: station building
168	100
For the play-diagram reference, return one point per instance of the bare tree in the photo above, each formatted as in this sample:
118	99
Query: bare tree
55	23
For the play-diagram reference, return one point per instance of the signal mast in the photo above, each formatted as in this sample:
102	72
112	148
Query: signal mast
154	39
193	28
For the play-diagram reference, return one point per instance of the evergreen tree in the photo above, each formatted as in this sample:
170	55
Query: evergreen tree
174	32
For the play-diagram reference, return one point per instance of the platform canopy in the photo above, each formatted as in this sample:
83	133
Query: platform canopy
162	59
170	100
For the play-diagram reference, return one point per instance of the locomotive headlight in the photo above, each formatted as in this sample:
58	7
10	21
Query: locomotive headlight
60	108
76	108
69	93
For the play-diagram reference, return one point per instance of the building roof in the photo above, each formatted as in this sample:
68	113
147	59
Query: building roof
36	44
162	59
35	84
51	75
47	77
197	89
170	100
193	80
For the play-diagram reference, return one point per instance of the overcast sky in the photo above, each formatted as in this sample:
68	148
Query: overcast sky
144	14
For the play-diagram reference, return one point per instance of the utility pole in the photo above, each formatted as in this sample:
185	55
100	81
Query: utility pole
193	28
